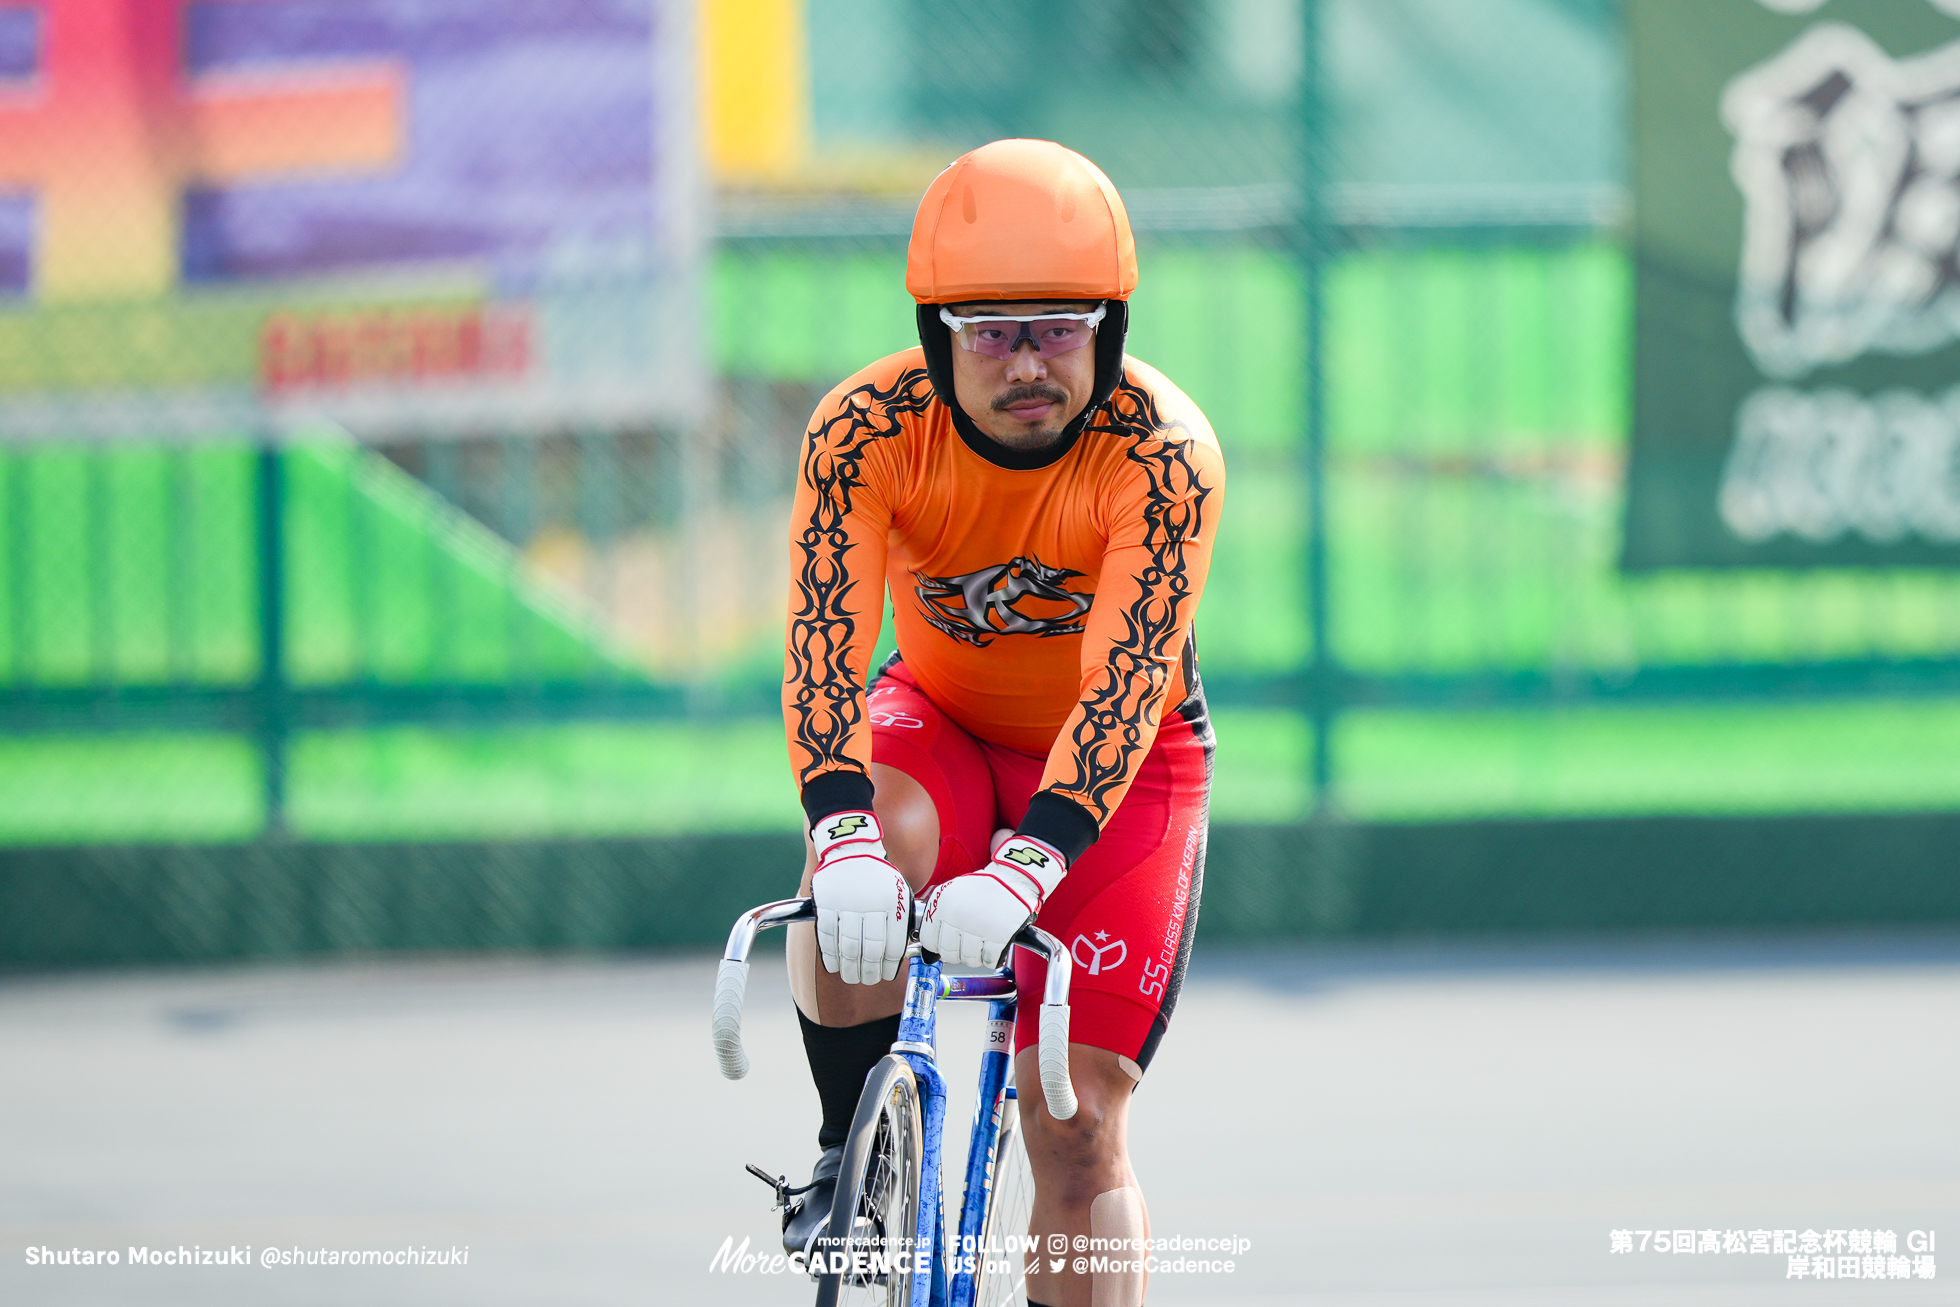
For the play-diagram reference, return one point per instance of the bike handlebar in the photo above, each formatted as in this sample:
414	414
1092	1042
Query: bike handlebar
1052	1042
731	981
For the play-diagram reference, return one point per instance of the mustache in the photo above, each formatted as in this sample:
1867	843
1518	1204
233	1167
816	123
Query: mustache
1027	394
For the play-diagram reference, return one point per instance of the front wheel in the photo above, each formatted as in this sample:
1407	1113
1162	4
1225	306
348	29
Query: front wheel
875	1214
1002	1279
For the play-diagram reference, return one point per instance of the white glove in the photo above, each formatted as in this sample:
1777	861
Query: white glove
863	903
971	919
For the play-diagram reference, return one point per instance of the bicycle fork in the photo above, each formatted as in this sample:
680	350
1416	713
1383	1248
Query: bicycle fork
916	1031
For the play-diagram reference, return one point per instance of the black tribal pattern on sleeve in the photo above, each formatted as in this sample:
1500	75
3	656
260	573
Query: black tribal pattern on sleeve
827	703
1128	693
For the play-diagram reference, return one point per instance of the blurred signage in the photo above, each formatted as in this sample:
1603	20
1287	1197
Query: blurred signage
408	216
1797	240
324	352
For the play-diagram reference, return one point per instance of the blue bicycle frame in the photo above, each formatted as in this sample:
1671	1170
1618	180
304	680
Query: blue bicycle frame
917	1043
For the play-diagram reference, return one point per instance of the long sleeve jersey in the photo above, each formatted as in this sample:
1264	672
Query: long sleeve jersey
1044	601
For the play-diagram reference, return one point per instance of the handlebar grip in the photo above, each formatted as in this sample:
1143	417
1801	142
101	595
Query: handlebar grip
1055	1086
730	982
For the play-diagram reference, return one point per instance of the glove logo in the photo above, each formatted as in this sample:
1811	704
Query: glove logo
850	825
1026	857
1098	951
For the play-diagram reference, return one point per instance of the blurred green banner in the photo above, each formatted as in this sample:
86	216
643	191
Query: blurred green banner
1796	168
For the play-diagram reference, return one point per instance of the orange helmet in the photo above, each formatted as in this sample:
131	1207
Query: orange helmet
1021	220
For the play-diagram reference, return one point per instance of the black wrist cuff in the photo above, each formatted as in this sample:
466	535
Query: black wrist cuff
836	791
1062	824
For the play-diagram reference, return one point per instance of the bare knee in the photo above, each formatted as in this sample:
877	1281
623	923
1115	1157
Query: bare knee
1075	1159
909	821
1088	1154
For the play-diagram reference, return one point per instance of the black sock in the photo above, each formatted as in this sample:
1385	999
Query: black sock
840	1058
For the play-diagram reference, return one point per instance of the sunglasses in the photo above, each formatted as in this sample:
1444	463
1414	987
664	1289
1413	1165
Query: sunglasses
1050	334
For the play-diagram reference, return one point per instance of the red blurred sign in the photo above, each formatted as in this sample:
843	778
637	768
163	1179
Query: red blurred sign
332	350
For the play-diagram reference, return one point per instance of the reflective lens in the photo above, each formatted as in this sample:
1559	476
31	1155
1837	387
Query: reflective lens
1051	334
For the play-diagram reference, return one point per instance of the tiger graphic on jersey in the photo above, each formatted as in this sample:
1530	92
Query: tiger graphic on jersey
965	607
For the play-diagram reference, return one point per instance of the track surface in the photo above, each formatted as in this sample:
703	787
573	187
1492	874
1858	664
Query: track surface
1389	1126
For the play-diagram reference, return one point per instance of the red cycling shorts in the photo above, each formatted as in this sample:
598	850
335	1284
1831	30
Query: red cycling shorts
1126	908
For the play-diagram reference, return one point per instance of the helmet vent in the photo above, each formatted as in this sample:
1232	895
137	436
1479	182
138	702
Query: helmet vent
969	208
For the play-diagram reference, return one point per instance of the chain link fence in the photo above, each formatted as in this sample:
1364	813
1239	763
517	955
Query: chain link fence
528	623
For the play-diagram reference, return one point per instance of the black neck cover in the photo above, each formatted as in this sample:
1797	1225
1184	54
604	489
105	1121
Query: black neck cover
937	341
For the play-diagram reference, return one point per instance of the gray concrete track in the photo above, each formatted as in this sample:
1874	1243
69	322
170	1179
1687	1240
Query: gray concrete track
1451	1126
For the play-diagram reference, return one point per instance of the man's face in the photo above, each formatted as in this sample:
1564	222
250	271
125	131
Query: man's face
1025	400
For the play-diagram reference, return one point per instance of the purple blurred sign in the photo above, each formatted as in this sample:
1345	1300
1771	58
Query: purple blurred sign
519	251
530	138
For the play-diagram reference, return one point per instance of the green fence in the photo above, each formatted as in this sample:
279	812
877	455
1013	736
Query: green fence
1482	633
342	660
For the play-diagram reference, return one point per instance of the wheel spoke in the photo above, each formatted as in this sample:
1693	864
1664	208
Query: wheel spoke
1010	1202
881	1189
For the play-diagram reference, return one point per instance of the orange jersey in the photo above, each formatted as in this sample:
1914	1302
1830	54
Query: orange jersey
1047	609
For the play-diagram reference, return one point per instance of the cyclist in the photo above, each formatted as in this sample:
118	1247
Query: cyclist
1042	508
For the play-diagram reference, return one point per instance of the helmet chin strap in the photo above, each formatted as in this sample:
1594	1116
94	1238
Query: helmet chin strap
937	342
